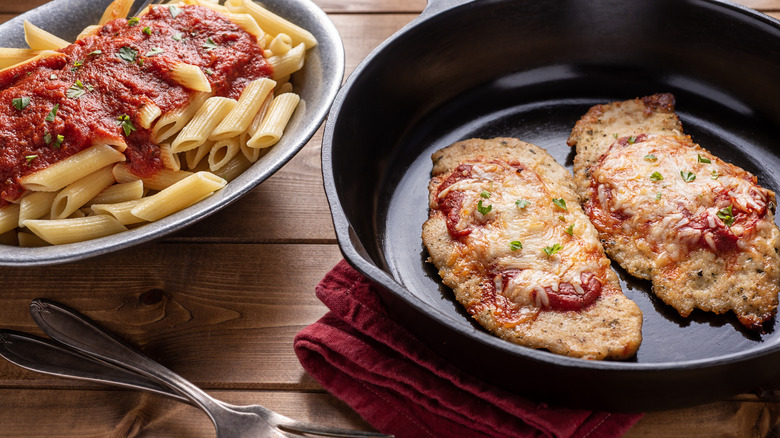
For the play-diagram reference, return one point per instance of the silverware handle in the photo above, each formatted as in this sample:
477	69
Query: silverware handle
76	331
44	356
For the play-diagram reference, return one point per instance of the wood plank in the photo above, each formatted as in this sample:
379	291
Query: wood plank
371	6
132	413
195	308
18	6
101	413
746	419
761	5
6	17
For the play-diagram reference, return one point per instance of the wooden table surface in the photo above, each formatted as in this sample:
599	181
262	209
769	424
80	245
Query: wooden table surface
221	301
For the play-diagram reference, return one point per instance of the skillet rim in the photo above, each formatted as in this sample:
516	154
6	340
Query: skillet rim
352	253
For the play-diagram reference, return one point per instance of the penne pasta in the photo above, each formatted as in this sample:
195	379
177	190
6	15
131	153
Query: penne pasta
276	119
222	152
67	171
9	56
246	22
249	103
190	76
62	231
78	193
9	217
169	124
121	211
169	159
234	168
178	196
148	114
273	23
288	63
121	192
30	240
35	206
39	39
202	124
88	31
253	154
194	156
281	44
40	54
117	9
160	180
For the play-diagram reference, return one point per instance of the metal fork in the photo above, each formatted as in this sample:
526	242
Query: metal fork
110	360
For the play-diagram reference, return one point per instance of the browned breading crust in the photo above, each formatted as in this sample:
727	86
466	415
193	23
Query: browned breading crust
745	281
608	328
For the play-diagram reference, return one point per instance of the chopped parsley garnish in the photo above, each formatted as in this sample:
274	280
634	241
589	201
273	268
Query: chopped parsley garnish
53	113
95	52
615	135
656	177
29	158
47	138
651	157
715	174
482	209
76	90
515	245
658	196
147	30
208	71
53	77
570	230
560	203
552	250
59	140
154	52
77	65
177	37
631	140
21	103
127	53
175	11
726	215
132	21
688	176
126	124
701	159
522	203
209	44
484	194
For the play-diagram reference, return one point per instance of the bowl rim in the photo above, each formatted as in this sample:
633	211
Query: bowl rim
329	53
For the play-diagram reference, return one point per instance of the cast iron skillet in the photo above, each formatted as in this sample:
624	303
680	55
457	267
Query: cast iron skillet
530	69
317	85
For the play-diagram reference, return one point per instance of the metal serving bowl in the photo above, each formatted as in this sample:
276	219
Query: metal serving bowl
317	85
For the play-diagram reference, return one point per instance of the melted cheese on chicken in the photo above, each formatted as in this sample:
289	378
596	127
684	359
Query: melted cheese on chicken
519	224
670	196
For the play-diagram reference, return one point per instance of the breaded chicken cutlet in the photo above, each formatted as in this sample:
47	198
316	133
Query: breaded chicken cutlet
507	234
667	210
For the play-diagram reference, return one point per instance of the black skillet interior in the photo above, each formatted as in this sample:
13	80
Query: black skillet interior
530	69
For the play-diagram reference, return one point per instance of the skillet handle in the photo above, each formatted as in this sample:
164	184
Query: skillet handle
437	6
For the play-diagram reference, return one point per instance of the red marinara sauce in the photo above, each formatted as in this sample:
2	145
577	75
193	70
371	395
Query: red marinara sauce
55	107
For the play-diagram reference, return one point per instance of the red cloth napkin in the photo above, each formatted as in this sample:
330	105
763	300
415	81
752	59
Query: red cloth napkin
401	387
